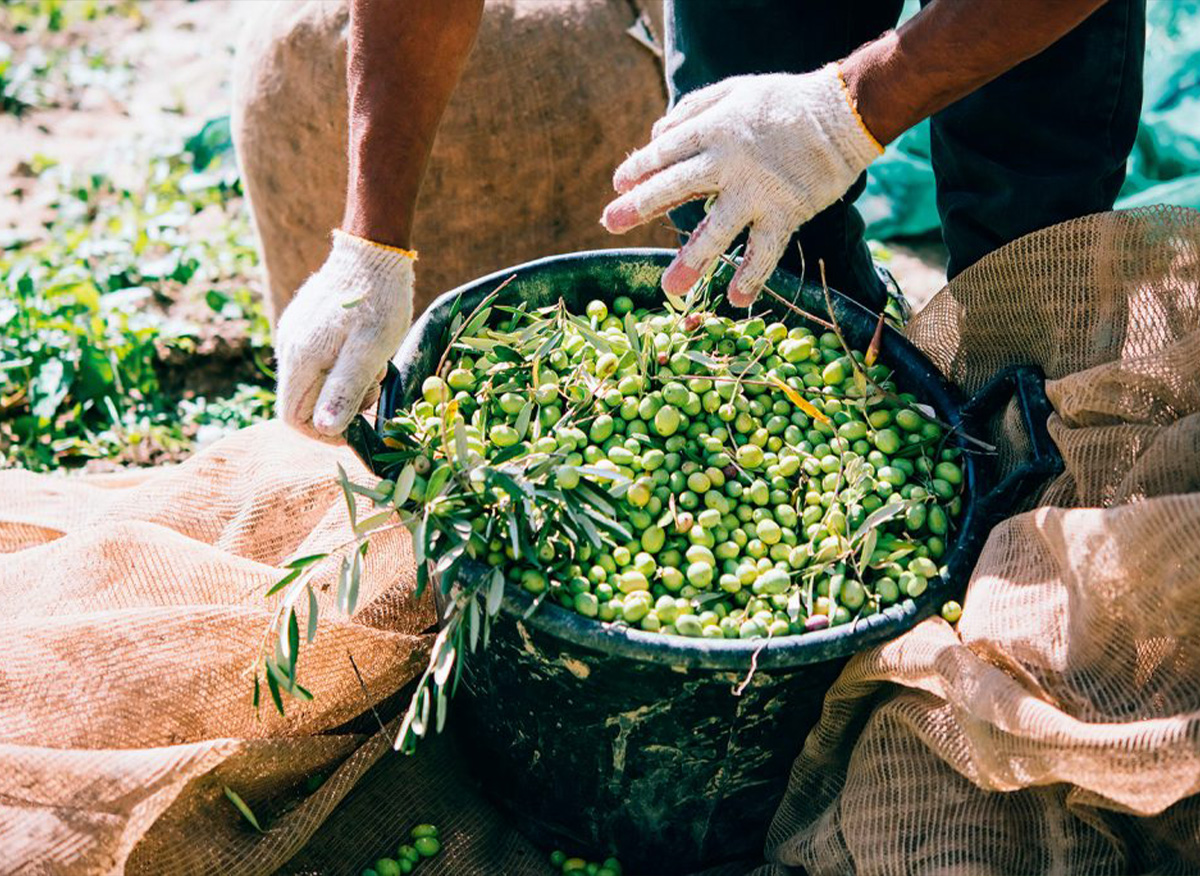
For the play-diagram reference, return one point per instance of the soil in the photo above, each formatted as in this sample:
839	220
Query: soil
919	268
172	66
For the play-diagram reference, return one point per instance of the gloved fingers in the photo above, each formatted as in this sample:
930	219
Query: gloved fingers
710	238
678	144
299	388
686	181
767	242
343	393
691	105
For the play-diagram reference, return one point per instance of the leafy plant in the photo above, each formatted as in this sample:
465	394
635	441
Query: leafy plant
95	309
20	16
37	75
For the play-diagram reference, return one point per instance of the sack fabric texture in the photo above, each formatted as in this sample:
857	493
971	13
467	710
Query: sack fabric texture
1052	730
554	95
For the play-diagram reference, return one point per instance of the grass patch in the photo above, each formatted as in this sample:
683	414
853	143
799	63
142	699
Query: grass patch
128	329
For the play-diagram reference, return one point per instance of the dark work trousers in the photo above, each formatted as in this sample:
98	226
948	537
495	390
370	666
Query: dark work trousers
1046	142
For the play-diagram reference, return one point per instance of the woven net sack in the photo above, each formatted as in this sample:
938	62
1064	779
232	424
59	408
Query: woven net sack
554	95
1054	730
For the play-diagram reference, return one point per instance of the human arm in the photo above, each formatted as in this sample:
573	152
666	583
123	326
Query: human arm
948	50
777	148
335	338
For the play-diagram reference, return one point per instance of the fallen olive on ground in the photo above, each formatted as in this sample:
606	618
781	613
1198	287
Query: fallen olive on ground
424	844
582	867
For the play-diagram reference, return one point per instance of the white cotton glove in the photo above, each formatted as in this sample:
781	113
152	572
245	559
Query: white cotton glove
775	149
334	340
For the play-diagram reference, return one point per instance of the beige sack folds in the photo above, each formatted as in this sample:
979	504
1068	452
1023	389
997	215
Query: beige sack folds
132	611
555	94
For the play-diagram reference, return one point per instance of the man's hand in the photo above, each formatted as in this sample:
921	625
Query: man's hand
775	149
335	339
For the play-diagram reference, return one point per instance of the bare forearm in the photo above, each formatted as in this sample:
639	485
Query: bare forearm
405	58
947	51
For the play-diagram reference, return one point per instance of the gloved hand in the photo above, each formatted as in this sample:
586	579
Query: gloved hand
334	340
775	149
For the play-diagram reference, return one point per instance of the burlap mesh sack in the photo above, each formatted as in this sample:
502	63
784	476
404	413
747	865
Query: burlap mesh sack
554	95
1054	731
132	610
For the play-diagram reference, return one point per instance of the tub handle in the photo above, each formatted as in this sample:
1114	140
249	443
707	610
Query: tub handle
1027	384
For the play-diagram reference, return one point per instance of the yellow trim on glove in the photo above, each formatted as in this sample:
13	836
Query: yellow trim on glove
407	253
854	109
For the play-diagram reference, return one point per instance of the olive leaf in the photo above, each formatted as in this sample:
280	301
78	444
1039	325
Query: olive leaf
522	424
867	548
799	401
702	359
495	592
441	708
460	441
297	566
313	610
343	589
420	721
418	540
373	522
445	664
293	642
241	806
473	623
347	492
273	688
404	485
635	341
553	341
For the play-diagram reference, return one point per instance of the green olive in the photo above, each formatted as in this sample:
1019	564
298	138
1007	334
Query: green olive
597	310
434	390
908	420
427	846
667	420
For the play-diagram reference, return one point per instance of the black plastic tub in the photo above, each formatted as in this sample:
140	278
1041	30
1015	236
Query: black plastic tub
608	740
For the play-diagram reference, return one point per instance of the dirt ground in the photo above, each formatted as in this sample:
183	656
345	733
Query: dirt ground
172	65
170	73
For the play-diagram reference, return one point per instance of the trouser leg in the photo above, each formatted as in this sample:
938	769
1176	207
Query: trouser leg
1046	142
707	41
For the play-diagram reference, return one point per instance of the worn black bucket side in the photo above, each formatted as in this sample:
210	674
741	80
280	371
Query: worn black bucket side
659	764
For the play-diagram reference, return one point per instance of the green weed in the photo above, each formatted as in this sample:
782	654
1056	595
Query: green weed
103	317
